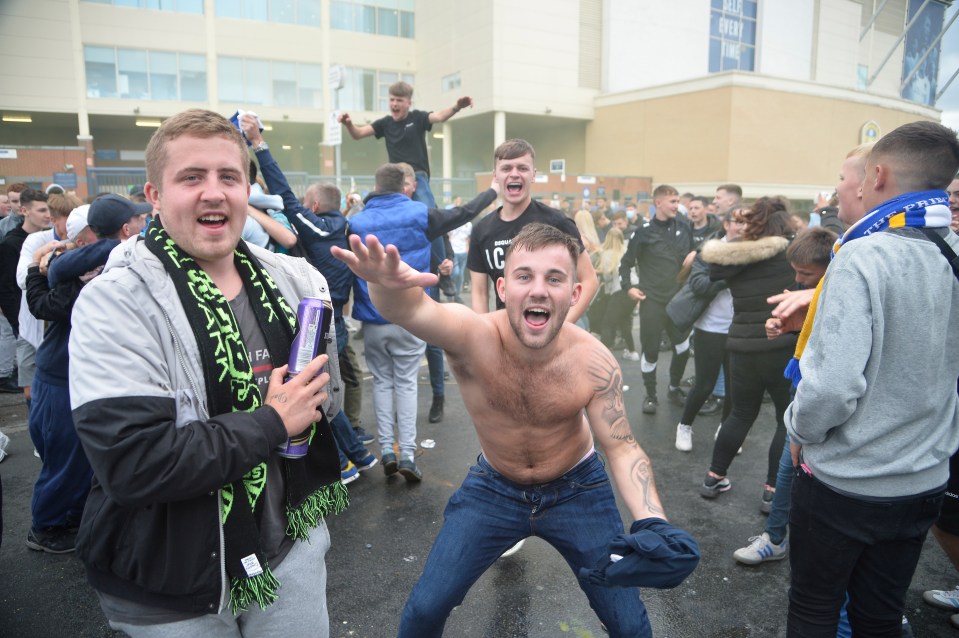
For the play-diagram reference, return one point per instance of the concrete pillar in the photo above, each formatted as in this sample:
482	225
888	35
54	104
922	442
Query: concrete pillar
499	129
447	163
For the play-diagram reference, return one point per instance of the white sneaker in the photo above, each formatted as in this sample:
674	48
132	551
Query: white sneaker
716	436
512	550
684	437
4	442
630	355
760	550
943	598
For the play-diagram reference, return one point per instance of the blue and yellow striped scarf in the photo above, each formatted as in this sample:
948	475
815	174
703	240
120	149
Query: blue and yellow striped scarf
927	209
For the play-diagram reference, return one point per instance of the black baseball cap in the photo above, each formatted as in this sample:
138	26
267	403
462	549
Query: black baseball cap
109	213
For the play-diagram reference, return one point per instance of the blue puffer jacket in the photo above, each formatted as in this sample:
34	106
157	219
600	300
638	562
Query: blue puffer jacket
395	219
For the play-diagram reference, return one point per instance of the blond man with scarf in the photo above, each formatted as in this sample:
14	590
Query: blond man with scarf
195	525
875	418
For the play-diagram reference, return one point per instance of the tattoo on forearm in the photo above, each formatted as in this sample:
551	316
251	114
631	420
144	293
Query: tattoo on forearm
608	385
279	398
642	476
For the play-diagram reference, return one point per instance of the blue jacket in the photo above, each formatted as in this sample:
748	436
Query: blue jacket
318	233
51	298
395	219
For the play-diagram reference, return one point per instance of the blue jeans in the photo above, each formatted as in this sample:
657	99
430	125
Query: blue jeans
423	192
575	513
459	271
778	521
840	544
348	446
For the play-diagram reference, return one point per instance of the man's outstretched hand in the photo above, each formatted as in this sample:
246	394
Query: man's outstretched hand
381	265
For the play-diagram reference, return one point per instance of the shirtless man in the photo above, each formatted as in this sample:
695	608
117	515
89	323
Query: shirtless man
538	473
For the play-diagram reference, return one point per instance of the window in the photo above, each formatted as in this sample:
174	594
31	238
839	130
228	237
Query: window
451	82
732	35
179	6
384	17
101	71
368	89
305	12
163	75
247	81
144	75
193	77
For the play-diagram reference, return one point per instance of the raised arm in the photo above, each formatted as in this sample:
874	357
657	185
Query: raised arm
586	275
628	462
442	220
437	117
356	132
277	231
396	290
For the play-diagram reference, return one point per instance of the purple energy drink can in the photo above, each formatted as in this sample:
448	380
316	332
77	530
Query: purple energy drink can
314	317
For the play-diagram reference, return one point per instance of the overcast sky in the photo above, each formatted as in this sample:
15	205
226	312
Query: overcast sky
948	63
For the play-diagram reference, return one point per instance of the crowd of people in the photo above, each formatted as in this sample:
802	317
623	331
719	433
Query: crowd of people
200	267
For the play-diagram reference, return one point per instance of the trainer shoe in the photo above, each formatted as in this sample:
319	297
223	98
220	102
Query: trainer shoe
4	442
943	598
688	382
8	385
366	462
711	406
362	436
389	464
676	396
436	410
52	541
409	471
713	487
649	405
512	550
760	550
766	505
349	473
630	355
684	437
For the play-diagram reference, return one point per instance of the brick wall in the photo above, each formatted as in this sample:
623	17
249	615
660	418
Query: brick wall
36	165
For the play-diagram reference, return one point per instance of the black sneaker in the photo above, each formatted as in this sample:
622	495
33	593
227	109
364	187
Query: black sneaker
688	382
713	405
713	487
8	385
436	410
389	463
410	472
649	405
52	541
362	436
676	396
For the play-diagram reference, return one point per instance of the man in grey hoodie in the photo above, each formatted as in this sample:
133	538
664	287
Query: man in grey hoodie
876	418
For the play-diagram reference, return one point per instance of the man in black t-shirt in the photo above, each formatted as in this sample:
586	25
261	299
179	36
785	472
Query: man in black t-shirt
514	170
405	132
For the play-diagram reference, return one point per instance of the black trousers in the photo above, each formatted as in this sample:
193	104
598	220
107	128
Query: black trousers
710	356
652	321
751	375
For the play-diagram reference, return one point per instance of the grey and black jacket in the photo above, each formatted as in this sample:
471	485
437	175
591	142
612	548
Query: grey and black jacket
151	528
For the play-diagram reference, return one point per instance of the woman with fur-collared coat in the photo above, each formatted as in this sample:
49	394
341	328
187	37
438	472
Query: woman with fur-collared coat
755	267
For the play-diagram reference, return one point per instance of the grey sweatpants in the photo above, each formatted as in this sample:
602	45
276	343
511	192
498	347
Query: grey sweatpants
299	611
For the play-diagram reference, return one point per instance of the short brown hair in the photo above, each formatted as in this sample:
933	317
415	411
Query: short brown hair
924	155
194	123
389	179
401	89
511	149
664	190
537	236
17	187
325	194
812	247
61	205
735	189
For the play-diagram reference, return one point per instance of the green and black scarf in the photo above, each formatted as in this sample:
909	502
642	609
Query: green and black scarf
313	487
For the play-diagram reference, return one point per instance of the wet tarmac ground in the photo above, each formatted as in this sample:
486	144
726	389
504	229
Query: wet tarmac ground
381	542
